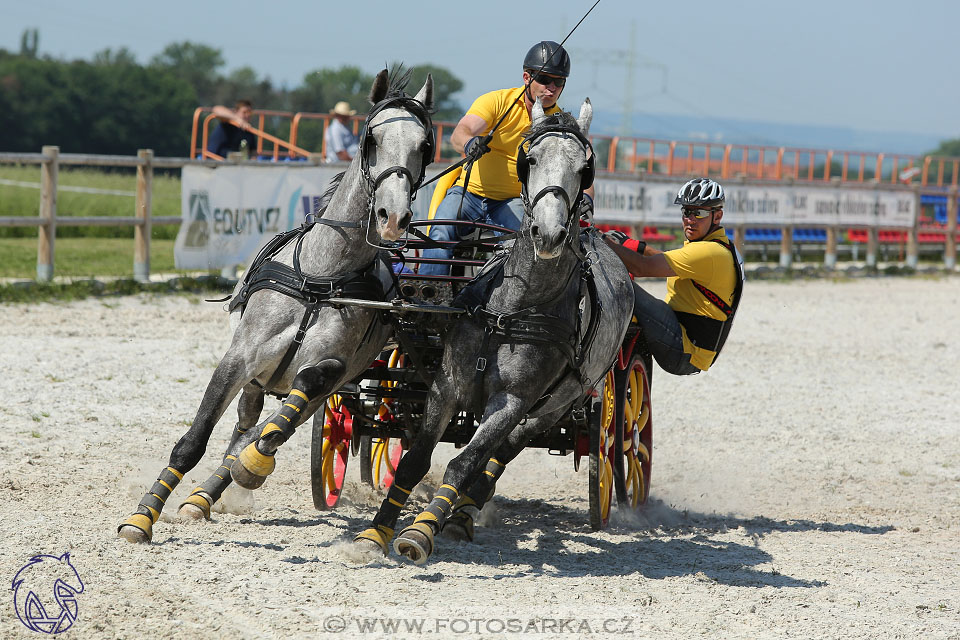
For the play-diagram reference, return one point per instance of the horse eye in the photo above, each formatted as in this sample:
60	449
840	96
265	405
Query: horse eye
531	160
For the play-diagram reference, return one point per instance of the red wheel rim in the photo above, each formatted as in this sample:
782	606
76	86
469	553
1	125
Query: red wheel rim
337	434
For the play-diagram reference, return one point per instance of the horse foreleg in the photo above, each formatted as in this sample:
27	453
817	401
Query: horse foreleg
460	524
225	383
503	412
201	500
412	468
313	384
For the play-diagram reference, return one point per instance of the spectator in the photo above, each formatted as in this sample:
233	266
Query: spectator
340	142
234	132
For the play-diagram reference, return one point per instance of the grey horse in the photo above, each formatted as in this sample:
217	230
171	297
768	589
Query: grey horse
335	344
538	370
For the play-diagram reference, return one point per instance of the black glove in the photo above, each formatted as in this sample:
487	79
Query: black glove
617	236
626	241
475	147
586	208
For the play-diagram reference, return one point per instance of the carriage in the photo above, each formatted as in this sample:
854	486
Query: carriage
374	417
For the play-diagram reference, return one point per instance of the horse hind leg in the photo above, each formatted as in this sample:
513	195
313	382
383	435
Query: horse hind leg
198	504
225	383
257	460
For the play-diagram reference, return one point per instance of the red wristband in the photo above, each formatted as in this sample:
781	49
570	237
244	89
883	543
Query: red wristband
633	245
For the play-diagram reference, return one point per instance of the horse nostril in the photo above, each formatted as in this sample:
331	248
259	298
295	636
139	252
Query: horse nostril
562	236
405	220
382	215
535	231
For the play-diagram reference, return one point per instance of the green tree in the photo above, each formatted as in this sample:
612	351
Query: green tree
108	57
29	41
107	108
196	64
323	88
445	85
947	148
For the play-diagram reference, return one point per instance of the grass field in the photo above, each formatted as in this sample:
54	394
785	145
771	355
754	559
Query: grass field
82	257
20	196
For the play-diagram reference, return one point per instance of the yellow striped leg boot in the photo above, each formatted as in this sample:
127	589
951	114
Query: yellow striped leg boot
416	542
461	522
198	504
459	526
384	522
256	461
139	526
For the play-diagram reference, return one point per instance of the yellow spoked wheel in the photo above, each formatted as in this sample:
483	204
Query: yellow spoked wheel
635	437
602	452
329	452
380	456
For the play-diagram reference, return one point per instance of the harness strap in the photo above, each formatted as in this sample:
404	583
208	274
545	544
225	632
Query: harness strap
710	333
308	315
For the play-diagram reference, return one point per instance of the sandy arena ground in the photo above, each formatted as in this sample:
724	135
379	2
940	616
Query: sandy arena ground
807	487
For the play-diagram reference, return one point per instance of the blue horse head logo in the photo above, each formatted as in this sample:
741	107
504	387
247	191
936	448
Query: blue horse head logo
45	593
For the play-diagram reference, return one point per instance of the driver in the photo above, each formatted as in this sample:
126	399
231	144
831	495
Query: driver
493	194
686	331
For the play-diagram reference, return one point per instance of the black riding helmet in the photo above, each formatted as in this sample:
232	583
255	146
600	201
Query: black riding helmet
549	55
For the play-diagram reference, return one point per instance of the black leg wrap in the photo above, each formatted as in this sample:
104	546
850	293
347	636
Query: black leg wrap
159	492
220	480
283	423
389	511
440	507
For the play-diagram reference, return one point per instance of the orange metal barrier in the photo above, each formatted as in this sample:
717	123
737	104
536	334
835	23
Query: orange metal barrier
661	157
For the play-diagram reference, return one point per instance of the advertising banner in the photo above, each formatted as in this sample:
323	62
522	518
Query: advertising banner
230	211
633	202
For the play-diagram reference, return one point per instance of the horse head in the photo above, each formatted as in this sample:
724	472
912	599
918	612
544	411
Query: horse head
396	147
556	167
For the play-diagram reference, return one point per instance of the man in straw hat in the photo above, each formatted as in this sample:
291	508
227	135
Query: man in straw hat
340	142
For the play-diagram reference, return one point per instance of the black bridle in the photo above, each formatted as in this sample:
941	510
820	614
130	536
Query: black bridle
366	145
554	126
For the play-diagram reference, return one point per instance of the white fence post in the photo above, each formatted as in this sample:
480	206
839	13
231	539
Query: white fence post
144	203
47	231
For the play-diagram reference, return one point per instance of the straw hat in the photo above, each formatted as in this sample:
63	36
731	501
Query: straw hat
342	108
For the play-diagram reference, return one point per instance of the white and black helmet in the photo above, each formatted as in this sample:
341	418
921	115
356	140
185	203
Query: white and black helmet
701	192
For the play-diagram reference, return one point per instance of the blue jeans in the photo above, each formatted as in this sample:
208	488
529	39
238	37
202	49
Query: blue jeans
662	331
503	213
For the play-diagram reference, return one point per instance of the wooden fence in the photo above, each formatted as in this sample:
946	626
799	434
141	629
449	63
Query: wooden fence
50	160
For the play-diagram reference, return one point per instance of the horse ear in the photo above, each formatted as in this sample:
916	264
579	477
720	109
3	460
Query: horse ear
586	116
536	114
425	95
380	85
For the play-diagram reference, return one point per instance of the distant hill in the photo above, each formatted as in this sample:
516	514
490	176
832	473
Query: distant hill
735	131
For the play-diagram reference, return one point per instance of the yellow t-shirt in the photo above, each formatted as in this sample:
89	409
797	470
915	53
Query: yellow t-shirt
495	174
712	266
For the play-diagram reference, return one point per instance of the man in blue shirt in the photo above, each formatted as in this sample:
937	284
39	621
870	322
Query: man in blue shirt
341	144
234	133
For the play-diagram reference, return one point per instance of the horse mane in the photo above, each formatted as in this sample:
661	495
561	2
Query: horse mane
327	196
397	81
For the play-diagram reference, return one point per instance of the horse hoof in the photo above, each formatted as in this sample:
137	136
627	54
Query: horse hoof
415	542
458	528
251	468
373	539
137	528
196	507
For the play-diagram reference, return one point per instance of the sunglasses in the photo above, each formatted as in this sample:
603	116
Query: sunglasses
693	212
546	80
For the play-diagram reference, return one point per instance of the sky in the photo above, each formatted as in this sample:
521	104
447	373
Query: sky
881	65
